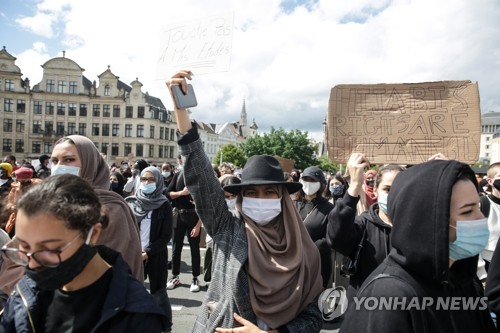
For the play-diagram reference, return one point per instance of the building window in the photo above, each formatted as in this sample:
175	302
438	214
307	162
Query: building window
151	131
50	86
19	126
139	150
140	132
83	110
151	150
487	154
47	148
82	129
96	110
127	149
7	125
116	111
19	146
7	145
61	109
105	110
37	107
49	128
73	87
105	129
487	146
61	87
104	148
116	130
171	152
115	149
487	138
161	133
71	128
9	85
129	112
95	129
8	105
21	106
60	128
172	134
128	130
160	151
72	109
36	147
107	90
140	112
37	127
49	108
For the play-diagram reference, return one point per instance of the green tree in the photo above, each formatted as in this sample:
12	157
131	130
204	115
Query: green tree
293	145
328	165
232	154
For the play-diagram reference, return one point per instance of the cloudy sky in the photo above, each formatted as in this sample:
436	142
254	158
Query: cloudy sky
286	55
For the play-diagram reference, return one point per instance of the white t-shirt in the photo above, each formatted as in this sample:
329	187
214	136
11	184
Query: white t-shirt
145	230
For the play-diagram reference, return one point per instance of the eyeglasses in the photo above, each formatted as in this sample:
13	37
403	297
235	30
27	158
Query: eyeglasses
148	179
46	258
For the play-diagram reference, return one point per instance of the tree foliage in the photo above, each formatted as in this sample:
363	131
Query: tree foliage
328	165
232	154
293	145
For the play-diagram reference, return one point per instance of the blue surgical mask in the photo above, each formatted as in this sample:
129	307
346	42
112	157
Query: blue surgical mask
337	190
165	174
382	201
61	169
231	203
148	188
472	238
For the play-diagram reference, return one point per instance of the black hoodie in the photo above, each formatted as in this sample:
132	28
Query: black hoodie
418	266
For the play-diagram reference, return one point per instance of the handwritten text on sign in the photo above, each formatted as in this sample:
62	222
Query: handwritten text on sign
404	123
204	46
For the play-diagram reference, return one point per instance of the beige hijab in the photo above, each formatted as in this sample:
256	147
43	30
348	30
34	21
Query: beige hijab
122	232
283	265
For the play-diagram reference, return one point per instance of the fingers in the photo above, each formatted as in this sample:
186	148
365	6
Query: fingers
438	156
179	78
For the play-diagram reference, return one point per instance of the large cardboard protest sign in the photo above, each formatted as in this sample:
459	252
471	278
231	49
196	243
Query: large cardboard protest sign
404	123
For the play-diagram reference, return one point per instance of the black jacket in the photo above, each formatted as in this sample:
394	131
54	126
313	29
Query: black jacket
128	306
344	234
418	266
315	217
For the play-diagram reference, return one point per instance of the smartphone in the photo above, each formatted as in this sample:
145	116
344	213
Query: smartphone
183	101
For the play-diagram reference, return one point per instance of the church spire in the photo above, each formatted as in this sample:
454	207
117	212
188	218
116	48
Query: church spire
243	116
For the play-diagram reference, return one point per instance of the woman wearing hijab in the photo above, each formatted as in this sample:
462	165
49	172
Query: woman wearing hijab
266	269
153	214
117	182
371	196
430	273
77	155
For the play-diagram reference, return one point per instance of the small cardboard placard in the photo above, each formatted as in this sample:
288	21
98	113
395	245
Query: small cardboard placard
286	164
404	123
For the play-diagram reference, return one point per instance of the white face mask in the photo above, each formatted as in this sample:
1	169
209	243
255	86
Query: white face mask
261	211
231	203
310	188
165	174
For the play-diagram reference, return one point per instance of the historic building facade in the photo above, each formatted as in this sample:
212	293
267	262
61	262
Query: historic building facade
121	120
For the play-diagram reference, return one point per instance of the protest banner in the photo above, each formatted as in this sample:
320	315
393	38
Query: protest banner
203	46
404	123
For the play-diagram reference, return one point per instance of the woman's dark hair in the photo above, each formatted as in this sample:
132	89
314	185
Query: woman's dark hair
338	176
230	181
385	169
67	197
121	182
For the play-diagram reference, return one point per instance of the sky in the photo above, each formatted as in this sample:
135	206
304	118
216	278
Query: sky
285	56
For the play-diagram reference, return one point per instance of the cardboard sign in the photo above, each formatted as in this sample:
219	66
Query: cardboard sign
404	123
286	163
203	46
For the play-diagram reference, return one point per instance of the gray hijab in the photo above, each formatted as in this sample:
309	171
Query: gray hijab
142	203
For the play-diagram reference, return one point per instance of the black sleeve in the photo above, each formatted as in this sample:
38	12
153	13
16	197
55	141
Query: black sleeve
493	282
171	186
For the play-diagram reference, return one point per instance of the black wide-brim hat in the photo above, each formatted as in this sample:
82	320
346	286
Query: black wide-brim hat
262	170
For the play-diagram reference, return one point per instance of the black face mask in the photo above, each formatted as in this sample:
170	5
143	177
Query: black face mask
114	186
370	183
54	278
496	184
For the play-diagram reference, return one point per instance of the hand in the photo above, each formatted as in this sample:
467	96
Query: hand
246	327
179	78
196	230
356	168
438	156
185	191
144	256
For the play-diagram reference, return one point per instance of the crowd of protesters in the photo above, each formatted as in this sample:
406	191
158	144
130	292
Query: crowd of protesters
79	238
